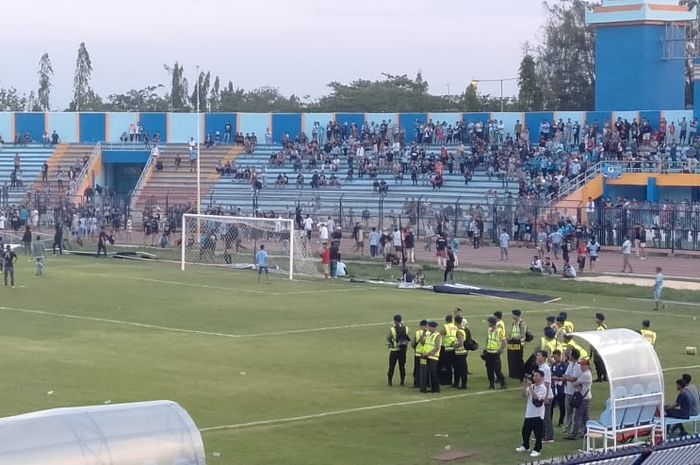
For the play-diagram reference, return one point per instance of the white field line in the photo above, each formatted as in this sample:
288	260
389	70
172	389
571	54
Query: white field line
649	314
213	333
278	421
236	289
674	302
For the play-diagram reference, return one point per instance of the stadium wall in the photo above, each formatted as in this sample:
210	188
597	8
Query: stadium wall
91	127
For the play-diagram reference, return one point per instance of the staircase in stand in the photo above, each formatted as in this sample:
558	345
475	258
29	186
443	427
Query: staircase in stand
179	186
64	156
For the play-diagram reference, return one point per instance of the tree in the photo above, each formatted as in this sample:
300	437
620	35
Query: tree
201	88
146	99
178	96
215	95
530	96
470	99
565	59
11	100
83	96
45	76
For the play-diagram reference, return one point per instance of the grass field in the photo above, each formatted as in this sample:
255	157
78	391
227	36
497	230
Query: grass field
286	372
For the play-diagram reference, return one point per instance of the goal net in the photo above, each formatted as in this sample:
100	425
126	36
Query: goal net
232	241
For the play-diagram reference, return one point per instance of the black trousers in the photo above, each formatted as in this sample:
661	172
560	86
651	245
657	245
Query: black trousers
493	368
429	374
446	366
57	243
416	371
531	425
599	367
515	361
449	271
101	247
397	356
560	403
460	371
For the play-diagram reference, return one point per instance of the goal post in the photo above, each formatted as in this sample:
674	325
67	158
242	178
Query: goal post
232	242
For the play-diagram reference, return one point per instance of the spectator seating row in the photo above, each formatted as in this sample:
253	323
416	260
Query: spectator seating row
32	157
357	194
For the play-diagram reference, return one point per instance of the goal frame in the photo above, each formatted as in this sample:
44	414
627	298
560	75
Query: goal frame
232	219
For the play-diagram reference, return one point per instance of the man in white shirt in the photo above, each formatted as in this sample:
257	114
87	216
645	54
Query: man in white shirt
536	394
590	210
626	254
573	371
582	384
503	240
308	226
548	428
323	233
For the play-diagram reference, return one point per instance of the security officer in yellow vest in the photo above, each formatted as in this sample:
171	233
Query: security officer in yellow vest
499	320
551	323
397	340
548	342
516	346
564	326
569	343
430	354
648	333
495	344
417	345
463	335
446	367
601	374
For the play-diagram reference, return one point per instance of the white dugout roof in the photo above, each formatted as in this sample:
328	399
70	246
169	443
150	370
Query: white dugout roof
143	433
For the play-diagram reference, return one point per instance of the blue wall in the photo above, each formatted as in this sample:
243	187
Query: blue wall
179	127
407	122
32	122
349	118
155	122
533	121
285	123
92	127
215	122
125	156
630	71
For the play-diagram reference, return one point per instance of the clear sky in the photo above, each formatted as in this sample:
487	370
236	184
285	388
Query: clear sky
296	45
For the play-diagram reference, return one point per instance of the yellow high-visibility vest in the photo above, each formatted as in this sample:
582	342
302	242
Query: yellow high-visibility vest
394	343
419	345
448	341
583	353
601	328
649	335
460	350
431	342
493	340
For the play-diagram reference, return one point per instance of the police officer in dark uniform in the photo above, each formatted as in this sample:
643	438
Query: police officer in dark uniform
516	346
597	361
397	340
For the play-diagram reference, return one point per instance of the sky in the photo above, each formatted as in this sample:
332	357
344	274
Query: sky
296	45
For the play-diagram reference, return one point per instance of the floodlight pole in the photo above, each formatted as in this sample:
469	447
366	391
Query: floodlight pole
199	136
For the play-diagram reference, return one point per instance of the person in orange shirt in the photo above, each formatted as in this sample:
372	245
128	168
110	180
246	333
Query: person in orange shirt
582	251
326	260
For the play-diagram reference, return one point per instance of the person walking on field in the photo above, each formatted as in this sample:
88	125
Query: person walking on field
626	253
9	258
536	395
39	255
397	341
658	289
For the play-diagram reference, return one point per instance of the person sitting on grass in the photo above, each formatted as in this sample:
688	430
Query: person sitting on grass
549	266
569	271
536	265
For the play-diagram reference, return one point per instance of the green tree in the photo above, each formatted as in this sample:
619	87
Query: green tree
201	88
84	98
215	95
470	98
178	96
45	84
565	59
146	99
530	96
11	100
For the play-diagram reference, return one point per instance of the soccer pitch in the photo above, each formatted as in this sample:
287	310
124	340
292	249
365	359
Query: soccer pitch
286	372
